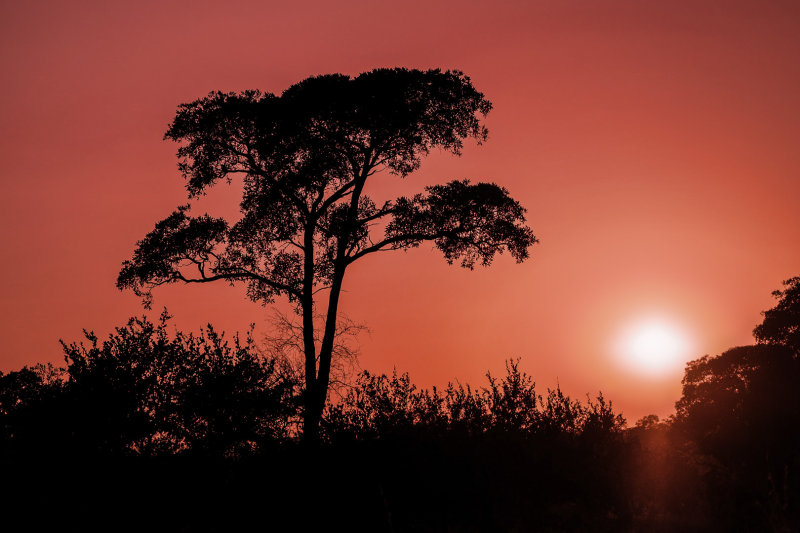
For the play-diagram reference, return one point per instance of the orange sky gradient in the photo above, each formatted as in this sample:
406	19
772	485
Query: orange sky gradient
654	144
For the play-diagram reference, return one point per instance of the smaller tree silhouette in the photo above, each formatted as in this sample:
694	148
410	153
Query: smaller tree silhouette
32	420
740	408
143	391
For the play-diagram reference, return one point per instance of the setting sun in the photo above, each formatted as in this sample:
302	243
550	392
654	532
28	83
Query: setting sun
653	346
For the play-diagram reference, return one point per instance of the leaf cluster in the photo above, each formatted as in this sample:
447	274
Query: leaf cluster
781	324
304	157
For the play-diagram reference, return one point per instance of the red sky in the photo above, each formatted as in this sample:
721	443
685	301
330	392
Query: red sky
654	145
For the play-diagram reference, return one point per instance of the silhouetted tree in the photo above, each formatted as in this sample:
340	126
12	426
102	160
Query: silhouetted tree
27	386
31	416
741	409
742	392
305	157
143	391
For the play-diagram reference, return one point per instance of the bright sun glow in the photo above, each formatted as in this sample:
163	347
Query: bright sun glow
653	347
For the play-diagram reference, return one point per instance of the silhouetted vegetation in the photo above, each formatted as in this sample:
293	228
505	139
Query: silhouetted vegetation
781	325
142	392
305	157
741	410
206	431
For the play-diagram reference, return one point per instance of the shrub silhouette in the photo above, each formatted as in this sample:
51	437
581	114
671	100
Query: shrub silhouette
381	406
144	392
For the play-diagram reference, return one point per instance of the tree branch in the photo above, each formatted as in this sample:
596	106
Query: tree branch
233	276
394	240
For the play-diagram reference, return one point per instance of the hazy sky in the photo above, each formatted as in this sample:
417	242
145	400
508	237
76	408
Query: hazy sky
654	144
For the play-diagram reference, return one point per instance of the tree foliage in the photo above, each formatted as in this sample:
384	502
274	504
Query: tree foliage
31	409
744	391
740	409
781	324
144	391
304	157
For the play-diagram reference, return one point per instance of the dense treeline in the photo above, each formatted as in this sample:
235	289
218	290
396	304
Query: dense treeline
206	431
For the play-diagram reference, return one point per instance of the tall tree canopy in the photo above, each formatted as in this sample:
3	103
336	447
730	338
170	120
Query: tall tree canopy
305	157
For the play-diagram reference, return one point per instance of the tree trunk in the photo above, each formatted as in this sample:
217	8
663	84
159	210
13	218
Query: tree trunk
311	413
317	384
311	417
326	348
339	267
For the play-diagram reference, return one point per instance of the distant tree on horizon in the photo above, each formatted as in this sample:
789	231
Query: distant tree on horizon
305	157
740	408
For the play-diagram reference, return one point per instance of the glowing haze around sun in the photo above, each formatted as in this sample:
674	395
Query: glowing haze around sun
653	347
